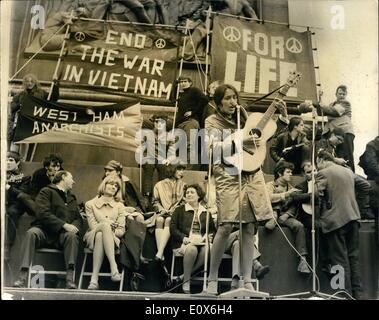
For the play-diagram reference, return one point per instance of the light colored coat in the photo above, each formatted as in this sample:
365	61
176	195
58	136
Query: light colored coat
99	211
256	204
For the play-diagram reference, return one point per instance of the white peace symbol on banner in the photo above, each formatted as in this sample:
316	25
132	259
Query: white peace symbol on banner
293	45
160	43
80	36
231	34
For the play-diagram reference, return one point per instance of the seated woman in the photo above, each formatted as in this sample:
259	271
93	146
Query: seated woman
131	198
188	227
106	220
167	196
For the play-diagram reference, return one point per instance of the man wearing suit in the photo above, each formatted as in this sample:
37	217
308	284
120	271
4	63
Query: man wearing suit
58	224
339	217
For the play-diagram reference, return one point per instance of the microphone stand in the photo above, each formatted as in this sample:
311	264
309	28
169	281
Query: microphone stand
207	244
241	292
314	293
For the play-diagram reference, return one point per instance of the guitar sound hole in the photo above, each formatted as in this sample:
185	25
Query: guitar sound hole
255	133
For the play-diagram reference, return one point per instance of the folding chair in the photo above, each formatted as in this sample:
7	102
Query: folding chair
34	270
101	274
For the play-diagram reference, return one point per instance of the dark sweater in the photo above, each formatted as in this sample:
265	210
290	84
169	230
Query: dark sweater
181	222
194	100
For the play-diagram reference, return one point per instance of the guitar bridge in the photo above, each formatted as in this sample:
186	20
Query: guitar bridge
249	151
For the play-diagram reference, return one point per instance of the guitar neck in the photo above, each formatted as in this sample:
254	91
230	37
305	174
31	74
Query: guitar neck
271	109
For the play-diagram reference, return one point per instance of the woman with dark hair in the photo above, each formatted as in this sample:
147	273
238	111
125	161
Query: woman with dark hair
167	195
255	204
106	220
188	228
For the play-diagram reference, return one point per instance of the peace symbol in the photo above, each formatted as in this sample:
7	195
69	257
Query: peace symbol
231	34
80	36
160	43
293	45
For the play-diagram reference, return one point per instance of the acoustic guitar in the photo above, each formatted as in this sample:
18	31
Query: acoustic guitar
258	129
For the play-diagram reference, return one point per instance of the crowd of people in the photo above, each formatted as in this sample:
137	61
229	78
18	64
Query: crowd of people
177	213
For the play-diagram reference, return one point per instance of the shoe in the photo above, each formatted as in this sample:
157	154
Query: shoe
212	288
145	260
261	272
270	224
116	277
357	295
159	260
70	283
186	287
303	266
93	286
248	285
22	280
20	283
178	279
235	283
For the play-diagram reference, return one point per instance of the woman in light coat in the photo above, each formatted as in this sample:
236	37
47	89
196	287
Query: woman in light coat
106	220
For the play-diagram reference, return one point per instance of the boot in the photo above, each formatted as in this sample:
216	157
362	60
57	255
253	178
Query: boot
235	283
70	281
261	271
22	279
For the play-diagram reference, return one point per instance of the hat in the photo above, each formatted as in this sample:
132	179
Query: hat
114	165
15	155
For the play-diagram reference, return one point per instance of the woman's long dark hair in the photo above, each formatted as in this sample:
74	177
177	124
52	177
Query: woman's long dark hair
220	93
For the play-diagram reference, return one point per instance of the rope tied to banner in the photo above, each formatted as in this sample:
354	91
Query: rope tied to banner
39	50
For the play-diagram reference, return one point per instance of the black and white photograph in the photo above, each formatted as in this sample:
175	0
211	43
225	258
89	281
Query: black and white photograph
189	150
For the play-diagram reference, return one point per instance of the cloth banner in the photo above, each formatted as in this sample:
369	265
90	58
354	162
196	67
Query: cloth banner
114	126
134	59
257	58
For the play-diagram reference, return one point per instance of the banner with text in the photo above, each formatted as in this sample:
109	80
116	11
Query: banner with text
135	59
257	58
115	126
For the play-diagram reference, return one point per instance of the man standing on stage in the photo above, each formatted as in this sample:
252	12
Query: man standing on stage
339	116
339	217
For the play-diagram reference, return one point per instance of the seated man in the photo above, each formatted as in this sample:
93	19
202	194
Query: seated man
329	143
41	178
292	145
58	224
233	249
303	198
16	184
280	192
